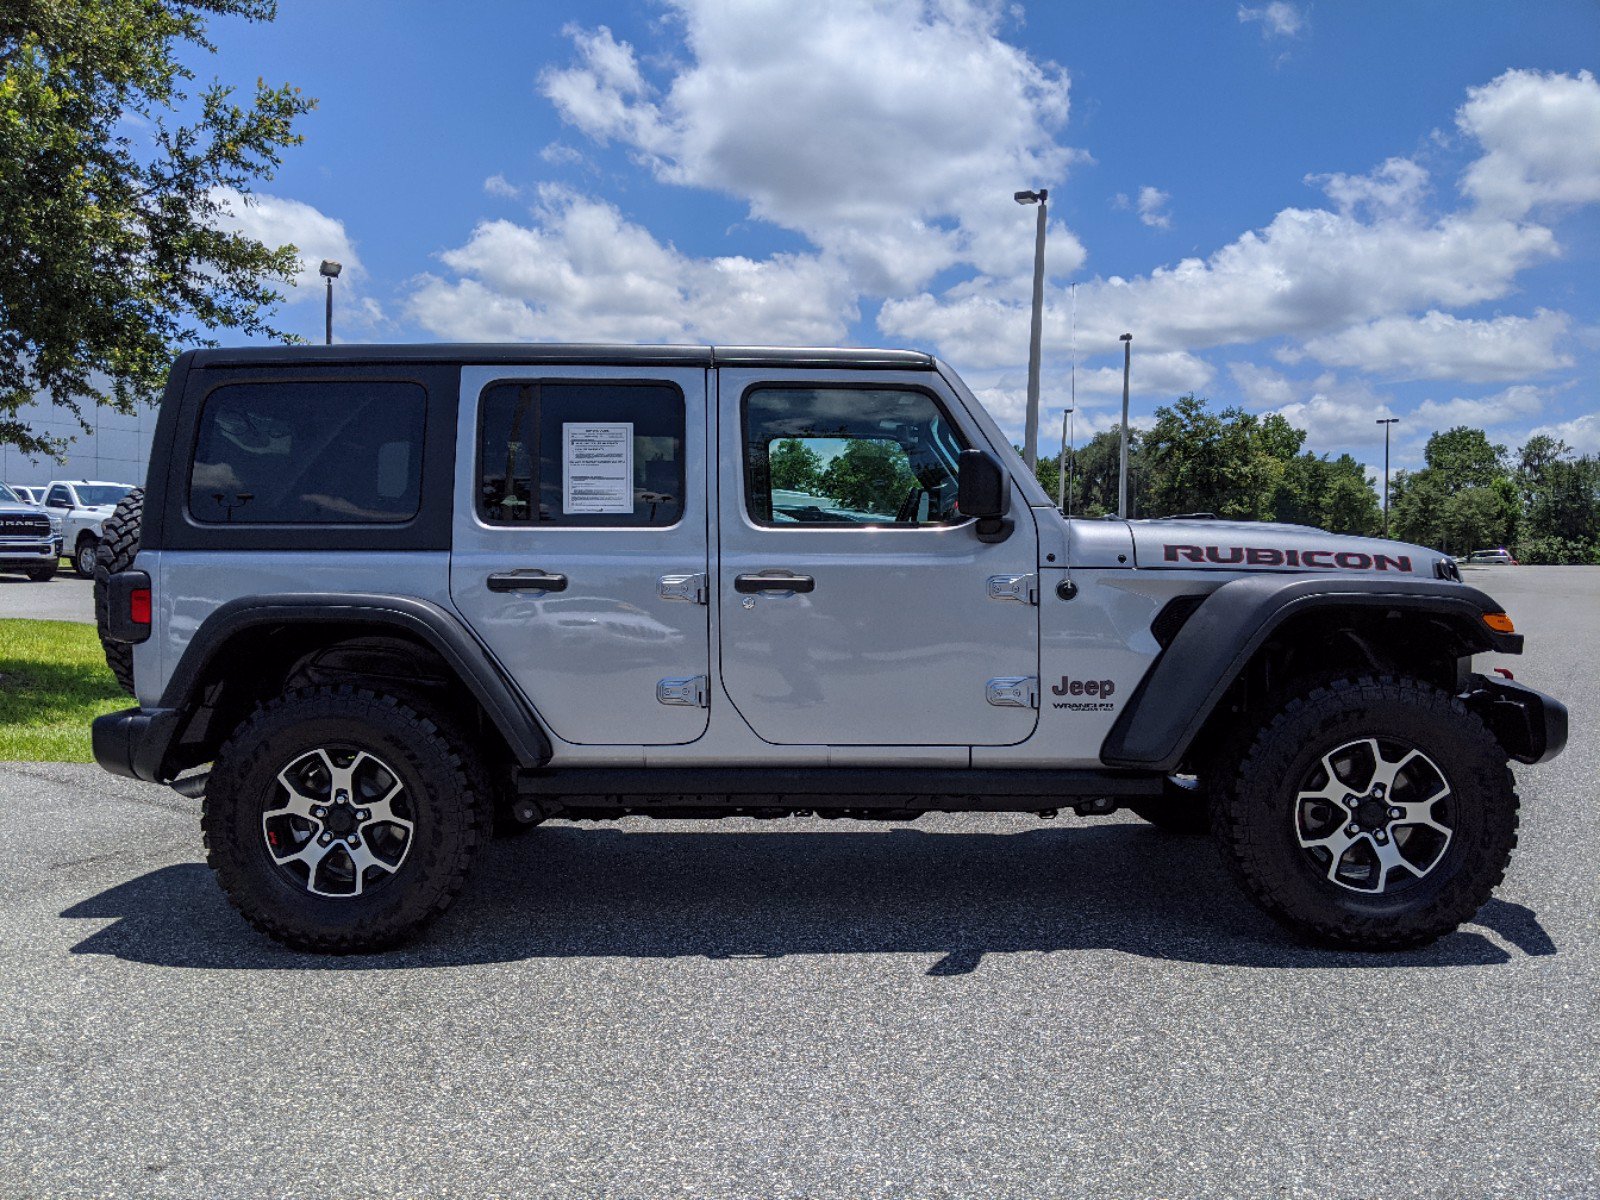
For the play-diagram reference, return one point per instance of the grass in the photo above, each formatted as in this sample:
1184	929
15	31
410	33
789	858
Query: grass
53	682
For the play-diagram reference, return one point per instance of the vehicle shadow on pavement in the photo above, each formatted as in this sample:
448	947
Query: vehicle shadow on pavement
567	891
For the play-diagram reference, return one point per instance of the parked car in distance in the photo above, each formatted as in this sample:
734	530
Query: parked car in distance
1501	557
28	495
30	537
83	506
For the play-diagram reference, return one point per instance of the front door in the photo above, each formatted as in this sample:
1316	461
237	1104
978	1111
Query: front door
857	606
580	544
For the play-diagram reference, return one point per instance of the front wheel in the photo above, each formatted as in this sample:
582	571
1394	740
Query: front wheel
42	574
343	821
1370	814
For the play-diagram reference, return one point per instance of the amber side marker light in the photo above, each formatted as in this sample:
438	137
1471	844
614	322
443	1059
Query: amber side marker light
1499	622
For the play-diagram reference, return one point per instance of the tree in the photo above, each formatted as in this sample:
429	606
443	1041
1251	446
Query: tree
1228	463
111	258
1465	456
795	466
870	476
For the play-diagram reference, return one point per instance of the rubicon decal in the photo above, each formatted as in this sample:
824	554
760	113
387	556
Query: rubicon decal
1097	691
1268	556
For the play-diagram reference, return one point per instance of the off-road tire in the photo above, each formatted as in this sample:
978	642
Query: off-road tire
450	810
115	553
1183	808
42	574
1254	820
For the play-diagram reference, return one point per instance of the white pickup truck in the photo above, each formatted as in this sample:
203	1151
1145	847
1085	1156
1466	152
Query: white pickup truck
83	506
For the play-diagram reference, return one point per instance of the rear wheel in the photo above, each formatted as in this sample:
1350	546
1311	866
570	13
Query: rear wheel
83	555
1372	814
342	821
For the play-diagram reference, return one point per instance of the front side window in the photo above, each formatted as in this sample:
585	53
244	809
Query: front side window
570	453
849	456
287	453
59	497
94	495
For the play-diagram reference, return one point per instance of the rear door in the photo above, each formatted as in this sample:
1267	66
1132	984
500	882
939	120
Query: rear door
857	606
580	545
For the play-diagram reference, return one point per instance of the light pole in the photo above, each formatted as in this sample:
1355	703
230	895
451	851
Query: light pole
1122	474
329	270
1386	422
1063	487
1030	436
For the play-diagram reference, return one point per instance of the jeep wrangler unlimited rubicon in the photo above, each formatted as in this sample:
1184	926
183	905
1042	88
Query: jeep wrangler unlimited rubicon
374	602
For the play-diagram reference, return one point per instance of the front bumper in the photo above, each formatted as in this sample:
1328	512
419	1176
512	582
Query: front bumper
37	554
133	743
1530	726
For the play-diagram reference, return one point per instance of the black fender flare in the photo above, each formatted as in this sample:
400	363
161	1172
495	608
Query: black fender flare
1178	693
437	627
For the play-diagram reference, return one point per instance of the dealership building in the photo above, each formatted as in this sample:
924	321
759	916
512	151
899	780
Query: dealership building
116	451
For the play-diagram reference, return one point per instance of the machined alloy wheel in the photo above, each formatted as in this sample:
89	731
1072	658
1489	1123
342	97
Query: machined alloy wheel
340	819
1374	815
341	823
83	558
1370	813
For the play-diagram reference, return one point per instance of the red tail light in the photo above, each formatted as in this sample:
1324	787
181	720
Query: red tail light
139	606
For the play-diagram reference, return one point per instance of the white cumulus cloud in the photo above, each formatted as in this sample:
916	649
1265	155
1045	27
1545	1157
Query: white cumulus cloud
1438	345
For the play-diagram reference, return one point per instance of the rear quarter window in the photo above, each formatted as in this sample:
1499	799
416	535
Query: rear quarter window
346	452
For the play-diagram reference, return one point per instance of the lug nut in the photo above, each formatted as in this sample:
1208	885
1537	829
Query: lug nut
1377	790
1381	836
319	811
353	840
364	814
1353	829
1395	814
325	838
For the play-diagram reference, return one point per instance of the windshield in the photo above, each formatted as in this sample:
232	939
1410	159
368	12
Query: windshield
7	494
93	495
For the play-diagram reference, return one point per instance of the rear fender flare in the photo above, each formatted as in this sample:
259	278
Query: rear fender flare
428	622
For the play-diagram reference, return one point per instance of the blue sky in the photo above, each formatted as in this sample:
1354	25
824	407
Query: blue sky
1337	211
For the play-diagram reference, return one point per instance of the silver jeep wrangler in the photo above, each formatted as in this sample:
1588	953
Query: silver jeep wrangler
377	602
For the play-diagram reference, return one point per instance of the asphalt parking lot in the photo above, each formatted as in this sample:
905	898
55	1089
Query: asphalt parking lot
964	1006
64	598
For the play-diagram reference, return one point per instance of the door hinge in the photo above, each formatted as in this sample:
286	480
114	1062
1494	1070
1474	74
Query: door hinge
1022	588
1014	691
692	692
684	587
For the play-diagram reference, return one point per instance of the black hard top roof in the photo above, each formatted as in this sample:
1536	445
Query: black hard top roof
532	353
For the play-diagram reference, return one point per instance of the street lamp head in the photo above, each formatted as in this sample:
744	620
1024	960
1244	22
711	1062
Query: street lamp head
1387	420
1038	197
330	269
1127	337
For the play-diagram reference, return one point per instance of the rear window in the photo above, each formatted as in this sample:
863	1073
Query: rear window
302	453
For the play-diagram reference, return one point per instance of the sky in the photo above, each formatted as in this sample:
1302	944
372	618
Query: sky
1336	211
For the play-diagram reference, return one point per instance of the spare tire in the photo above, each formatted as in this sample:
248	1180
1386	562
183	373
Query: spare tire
119	542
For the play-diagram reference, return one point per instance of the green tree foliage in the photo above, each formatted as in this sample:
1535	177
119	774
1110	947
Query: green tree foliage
1228	463
1464	499
1561	498
795	466
111	259
869	476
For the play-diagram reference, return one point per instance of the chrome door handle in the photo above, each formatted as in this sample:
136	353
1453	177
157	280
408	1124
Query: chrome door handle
774	583
526	581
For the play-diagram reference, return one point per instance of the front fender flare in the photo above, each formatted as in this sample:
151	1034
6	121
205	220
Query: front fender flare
1178	693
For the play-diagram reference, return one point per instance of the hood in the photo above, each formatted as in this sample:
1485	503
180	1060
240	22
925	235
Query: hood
1267	546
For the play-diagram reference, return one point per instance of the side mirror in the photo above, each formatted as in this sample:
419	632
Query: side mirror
984	492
